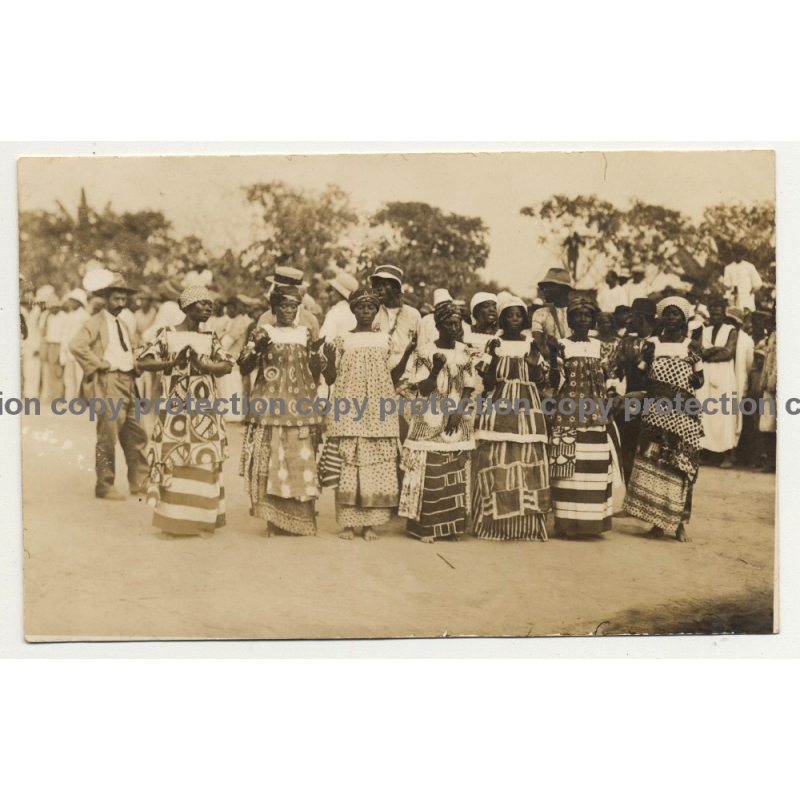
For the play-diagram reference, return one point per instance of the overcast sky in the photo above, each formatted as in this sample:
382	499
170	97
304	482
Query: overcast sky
202	195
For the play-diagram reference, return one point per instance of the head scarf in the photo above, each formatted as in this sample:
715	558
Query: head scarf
578	300
364	294
282	291
194	294
444	311
681	303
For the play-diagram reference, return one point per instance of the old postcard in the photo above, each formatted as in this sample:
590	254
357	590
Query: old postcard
403	395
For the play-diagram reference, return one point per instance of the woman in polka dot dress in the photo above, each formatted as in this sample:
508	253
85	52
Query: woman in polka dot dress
583	452
362	450
280	445
186	451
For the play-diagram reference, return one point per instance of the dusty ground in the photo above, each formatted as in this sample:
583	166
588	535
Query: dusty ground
95	569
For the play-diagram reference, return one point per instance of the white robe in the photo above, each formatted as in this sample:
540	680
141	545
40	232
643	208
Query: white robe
745	348
720	378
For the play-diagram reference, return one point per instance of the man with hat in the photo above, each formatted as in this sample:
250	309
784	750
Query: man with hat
427	325
612	294
636	288
551	321
288	276
400	321
339	319
103	350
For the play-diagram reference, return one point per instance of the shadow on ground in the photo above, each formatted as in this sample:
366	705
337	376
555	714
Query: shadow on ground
745	613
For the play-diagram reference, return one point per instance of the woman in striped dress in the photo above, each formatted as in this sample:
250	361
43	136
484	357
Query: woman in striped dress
436	454
511	485
280	443
668	450
186	451
583	452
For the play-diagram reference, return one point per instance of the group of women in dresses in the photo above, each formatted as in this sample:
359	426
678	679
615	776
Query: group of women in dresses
479	468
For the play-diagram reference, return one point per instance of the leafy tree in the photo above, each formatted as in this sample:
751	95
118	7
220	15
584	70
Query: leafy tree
56	247
753	226
299	229
434	249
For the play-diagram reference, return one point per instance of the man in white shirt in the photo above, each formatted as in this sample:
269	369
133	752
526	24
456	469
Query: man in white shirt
612	294
742	280
636	288
103	349
339	319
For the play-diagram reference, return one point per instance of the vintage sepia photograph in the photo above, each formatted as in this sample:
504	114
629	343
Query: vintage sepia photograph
498	394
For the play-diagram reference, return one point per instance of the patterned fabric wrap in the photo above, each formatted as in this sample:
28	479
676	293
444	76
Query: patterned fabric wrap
280	475
511	491
330	464
583	502
657	494
515	388
583	377
185	440
190	501
562	452
445	496
677	435
364	294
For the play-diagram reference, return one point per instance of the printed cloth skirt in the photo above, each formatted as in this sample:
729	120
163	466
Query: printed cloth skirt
189	501
364	473
440	483
658	494
583	502
511	491
280	475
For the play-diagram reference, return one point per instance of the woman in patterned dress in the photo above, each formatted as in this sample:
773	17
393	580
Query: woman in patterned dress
583	452
361	448
609	341
186	451
511	484
280	440
436	455
668	450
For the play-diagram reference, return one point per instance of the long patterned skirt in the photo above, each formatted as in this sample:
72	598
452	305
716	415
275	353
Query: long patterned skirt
364	473
189	501
582	502
511	491
435	494
658	494
280	476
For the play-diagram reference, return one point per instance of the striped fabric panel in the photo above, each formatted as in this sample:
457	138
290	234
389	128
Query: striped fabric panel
444	497
193	503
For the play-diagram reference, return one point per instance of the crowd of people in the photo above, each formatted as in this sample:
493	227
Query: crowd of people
472	469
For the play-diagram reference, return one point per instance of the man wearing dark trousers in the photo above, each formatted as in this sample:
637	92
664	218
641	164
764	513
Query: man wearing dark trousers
103	349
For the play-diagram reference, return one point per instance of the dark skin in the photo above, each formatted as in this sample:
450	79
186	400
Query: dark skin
449	331
606	327
556	294
485	315
365	312
716	317
196	314
673	329
389	291
513	321
285	310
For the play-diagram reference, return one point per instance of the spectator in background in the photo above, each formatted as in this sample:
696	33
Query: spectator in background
144	316
31	363
401	321
742	281
52	327
637	288
612	294
743	361
75	314
340	319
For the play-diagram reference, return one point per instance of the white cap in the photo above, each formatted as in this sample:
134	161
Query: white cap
79	295
441	296
480	297
510	302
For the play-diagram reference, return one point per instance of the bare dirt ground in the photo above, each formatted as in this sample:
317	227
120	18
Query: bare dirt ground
96	570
